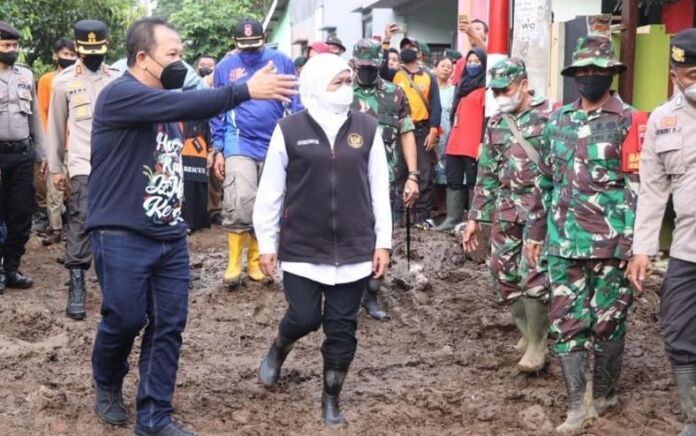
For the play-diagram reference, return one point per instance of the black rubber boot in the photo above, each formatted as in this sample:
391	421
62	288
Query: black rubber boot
685	376
607	369
269	373
370	302
109	405
76	294
579	414
171	429
334	376
15	279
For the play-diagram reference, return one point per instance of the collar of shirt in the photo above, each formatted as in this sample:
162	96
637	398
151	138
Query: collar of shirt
614	105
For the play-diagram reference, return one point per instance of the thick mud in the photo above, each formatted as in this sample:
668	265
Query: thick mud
444	363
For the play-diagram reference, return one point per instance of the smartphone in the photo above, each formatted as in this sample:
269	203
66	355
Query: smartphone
463	17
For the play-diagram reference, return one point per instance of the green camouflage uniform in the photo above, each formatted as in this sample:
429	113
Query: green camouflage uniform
505	191
388	103
425	49
592	210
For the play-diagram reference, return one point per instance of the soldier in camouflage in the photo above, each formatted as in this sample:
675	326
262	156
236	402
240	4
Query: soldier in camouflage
589	215
505	189
386	102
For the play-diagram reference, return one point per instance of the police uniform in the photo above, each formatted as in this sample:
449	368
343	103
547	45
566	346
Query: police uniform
668	165
21	142
75	92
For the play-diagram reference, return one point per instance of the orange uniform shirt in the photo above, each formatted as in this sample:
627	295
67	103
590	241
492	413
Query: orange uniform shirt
44	95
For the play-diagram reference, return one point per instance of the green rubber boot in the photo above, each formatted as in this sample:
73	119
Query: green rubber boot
519	317
455	210
537	313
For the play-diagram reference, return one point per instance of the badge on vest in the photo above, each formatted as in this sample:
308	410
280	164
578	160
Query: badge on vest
355	140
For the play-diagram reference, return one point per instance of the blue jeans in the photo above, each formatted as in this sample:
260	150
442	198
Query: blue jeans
144	283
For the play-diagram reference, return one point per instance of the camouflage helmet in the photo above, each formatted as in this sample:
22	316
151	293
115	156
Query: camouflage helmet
506	71
596	51
452	54
367	52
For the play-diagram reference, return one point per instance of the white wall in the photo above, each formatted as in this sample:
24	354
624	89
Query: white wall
433	22
565	10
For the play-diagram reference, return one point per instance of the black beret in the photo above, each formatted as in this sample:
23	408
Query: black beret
683	48
8	32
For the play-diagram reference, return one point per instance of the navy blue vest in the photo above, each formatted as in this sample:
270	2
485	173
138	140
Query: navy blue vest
327	216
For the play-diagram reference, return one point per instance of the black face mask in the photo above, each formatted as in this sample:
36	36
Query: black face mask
65	63
593	88
408	55
204	71
367	75
174	75
8	58
93	62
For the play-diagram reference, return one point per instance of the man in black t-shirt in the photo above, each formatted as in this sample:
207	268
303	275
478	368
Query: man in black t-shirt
137	229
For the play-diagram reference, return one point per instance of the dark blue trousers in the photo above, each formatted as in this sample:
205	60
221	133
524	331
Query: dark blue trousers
144	284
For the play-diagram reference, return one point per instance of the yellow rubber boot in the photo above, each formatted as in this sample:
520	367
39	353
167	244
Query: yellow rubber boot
235	243
254	268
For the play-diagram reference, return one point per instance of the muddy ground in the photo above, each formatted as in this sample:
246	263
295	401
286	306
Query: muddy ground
442	365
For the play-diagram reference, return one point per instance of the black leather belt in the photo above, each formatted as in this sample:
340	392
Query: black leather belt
15	147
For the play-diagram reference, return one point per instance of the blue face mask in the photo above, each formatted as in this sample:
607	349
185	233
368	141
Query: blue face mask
251	56
473	69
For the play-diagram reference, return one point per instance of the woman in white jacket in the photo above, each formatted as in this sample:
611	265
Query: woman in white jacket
322	211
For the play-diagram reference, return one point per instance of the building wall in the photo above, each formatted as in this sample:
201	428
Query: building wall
309	16
282	34
565	10
433	22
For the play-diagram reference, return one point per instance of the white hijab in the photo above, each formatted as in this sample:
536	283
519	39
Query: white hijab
316	76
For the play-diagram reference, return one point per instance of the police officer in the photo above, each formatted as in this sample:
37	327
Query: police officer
668	164
508	176
21	142
75	91
386	102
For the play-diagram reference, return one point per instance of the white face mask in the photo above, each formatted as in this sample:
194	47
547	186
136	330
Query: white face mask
339	101
689	92
509	104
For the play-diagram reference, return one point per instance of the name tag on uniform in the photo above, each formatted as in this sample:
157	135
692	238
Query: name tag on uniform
308	142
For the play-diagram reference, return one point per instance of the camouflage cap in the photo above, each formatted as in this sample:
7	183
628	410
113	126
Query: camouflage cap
505	71
596	51
424	48
367	52
452	54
